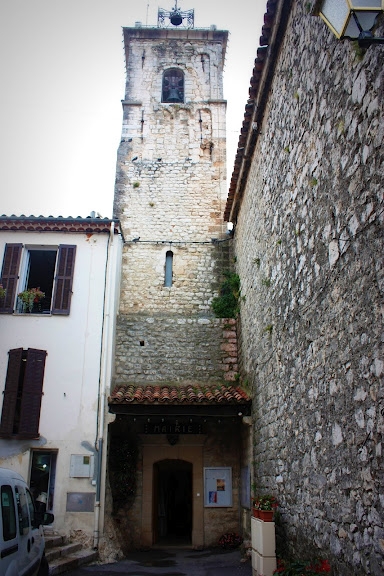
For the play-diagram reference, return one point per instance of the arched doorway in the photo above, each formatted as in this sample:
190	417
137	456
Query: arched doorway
172	502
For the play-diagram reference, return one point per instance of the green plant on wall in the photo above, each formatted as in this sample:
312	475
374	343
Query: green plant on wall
226	305
266	282
269	328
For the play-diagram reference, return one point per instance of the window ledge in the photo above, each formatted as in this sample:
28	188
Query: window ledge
32	314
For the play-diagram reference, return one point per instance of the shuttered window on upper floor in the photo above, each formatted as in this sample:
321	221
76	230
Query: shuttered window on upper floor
48	268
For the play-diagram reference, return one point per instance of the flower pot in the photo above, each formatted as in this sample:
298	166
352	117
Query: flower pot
255	512
266	515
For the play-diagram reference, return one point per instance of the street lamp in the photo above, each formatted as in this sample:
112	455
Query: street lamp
351	19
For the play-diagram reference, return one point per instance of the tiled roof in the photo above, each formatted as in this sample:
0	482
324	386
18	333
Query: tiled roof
254	108
56	224
218	394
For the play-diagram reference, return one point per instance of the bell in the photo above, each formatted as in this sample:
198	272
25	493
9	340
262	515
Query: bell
176	18
174	95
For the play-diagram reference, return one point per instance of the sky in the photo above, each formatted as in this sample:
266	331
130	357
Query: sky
62	76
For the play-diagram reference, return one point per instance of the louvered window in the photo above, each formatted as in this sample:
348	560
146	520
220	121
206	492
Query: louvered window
10	275
64	279
48	268
22	394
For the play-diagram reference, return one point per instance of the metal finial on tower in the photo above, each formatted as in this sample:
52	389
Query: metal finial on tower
176	17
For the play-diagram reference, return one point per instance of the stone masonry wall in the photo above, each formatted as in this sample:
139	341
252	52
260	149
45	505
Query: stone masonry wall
309	248
169	196
171	166
167	349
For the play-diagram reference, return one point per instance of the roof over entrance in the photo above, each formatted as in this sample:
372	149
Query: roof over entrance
215	399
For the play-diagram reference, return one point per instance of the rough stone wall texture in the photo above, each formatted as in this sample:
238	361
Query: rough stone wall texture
172	349
169	196
171	165
309	248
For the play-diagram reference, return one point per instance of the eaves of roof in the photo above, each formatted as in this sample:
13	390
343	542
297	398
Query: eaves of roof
31	223
272	32
180	399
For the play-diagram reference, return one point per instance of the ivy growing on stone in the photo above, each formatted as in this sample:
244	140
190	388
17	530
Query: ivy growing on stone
226	305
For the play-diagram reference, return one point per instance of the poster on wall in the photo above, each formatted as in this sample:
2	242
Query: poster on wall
218	487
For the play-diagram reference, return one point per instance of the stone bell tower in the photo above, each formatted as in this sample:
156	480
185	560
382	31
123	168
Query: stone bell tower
175	395
169	197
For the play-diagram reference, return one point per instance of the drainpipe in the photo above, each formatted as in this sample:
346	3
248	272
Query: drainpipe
96	531
106	351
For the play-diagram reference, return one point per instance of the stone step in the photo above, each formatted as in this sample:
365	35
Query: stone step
74	560
52	541
63	550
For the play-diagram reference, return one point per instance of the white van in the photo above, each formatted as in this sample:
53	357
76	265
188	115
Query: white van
22	543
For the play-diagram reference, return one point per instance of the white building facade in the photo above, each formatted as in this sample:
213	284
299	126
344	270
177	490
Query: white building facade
55	359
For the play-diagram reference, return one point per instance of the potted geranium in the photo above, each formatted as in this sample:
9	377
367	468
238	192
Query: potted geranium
300	567
29	297
230	540
266	506
255	507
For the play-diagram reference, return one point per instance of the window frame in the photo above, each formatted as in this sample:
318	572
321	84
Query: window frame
168	269
178	73
10	525
15	271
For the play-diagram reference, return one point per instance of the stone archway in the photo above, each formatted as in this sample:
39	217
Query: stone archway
189	450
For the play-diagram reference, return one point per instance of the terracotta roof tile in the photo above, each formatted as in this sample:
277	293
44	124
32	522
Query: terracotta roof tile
187	394
32	223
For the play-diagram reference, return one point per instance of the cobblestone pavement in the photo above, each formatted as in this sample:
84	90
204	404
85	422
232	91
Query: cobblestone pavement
173	562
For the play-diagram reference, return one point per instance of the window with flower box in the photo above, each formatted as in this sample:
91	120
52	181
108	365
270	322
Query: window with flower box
46	268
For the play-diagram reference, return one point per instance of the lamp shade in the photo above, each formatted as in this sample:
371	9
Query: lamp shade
343	17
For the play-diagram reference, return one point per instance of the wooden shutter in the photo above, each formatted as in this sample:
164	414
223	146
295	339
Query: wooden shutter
10	392
64	279
9	276
32	393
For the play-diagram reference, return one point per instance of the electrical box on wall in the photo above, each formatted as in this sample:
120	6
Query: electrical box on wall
82	466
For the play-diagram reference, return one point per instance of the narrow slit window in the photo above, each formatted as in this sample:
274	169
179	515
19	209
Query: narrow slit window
168	269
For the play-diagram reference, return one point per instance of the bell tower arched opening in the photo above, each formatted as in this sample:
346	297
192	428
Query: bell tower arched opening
173	86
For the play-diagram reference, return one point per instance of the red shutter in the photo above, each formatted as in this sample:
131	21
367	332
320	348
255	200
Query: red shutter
32	393
64	279
10	392
9	276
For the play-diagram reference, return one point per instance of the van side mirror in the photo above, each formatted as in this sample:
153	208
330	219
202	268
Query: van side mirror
48	518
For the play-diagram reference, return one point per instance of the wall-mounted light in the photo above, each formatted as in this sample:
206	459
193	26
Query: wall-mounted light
351	19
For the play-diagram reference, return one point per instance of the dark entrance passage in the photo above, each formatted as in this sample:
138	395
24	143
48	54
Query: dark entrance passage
172	502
